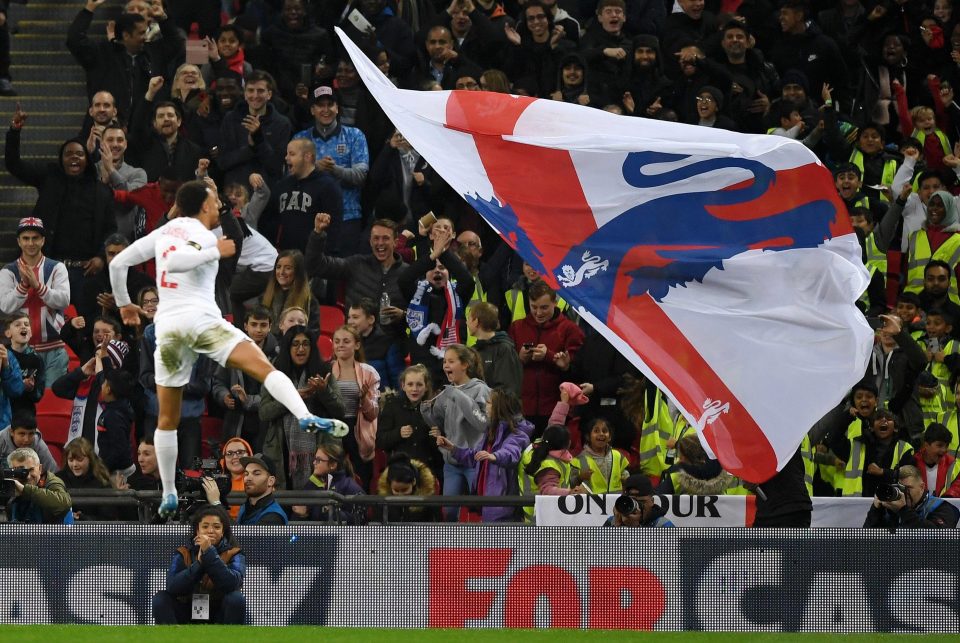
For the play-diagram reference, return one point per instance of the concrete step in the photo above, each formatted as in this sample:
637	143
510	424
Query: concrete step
57	28
59	56
17	194
36	119
49	72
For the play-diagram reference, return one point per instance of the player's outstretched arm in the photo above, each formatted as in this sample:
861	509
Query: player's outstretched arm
186	255
136	253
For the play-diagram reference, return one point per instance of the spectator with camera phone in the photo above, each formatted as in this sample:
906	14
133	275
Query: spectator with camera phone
907	503
40	497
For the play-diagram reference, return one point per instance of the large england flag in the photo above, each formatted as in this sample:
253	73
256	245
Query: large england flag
722	265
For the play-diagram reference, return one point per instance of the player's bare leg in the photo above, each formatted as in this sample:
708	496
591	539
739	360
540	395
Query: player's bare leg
250	359
165	443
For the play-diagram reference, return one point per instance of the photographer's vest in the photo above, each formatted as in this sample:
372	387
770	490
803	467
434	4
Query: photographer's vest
206	584
654	433
919	255
851	482
889	170
529	486
598	483
809	467
949	420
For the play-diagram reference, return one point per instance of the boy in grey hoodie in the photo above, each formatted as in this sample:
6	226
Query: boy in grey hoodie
21	433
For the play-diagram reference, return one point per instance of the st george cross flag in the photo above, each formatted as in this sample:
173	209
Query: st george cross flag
722	265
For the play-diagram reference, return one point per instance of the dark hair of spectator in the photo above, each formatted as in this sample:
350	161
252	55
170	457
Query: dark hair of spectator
943	314
539	288
937	263
911	142
213	510
876	128
387	223
258	312
260	76
797	5
114	125
937	432
522	27
112	322
190	198
787	108
487	316
24	419
116	239
504	407
284	361
421	370
230	28
470	357
167	103
81	448
121	383
127	22
367	305
860	211
147	439
299	292
401	469
556	437
603	4
844	168
731	25
926	175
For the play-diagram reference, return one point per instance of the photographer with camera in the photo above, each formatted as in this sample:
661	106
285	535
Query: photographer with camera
636	507
204	483
908	504
40	497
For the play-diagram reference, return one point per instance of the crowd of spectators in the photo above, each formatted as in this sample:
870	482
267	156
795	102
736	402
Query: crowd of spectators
394	307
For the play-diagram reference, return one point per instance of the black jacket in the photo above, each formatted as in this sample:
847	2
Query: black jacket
58	202
501	362
238	159
294	203
110	68
148	150
113	439
397	411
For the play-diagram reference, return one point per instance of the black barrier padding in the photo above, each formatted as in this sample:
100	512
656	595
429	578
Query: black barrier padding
506	576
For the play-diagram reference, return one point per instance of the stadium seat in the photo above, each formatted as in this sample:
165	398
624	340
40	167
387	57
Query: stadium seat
331	318
325	346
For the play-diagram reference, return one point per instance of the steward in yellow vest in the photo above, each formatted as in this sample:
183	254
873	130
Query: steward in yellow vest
696	474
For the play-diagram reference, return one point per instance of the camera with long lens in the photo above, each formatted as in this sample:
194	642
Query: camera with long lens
20	474
190	481
890	492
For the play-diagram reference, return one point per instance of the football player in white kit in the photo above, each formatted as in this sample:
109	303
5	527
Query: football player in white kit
189	323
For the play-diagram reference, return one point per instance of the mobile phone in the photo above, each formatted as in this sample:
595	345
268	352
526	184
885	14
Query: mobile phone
306	74
357	20
528	345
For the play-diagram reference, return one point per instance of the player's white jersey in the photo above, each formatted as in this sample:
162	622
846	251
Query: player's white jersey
187	261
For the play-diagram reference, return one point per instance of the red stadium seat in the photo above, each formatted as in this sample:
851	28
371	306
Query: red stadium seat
325	346
331	318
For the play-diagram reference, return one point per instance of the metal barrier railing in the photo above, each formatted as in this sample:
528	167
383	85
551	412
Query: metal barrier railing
146	501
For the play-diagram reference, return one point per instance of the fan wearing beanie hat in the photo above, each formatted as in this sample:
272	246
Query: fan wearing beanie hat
709	103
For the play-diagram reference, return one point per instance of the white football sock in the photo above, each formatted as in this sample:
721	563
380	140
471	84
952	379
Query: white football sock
283	391
165	444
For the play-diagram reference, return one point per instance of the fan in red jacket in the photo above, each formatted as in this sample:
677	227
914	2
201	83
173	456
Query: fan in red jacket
939	469
546	341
